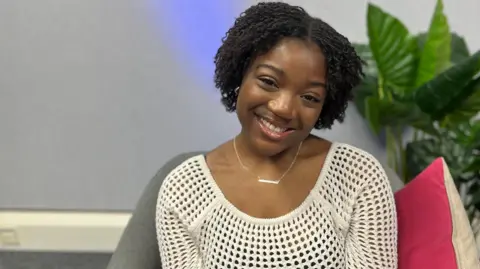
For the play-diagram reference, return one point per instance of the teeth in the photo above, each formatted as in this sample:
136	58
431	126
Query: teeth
272	127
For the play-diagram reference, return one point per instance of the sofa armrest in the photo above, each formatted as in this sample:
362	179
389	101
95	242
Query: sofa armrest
138	248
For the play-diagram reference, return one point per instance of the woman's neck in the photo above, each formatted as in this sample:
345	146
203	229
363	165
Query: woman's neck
252	157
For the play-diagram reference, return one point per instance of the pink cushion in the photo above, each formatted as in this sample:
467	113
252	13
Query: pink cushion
433	228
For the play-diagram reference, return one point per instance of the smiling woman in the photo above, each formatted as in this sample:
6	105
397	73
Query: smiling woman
275	196
282	89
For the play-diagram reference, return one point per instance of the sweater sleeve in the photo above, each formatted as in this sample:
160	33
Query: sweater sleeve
372	236
178	249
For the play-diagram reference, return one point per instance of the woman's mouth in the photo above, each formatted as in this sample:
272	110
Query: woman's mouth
272	131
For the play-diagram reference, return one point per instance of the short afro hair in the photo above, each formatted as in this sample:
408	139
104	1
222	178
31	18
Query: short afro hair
259	28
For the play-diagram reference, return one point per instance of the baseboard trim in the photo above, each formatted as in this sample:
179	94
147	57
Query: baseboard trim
57	231
61	231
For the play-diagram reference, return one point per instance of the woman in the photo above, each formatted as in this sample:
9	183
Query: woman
276	196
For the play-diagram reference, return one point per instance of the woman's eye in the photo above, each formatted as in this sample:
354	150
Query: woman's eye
268	82
311	98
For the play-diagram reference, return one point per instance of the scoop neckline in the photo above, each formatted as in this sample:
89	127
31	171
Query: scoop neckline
280	219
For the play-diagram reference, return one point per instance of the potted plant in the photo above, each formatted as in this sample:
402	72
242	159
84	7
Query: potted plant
427	84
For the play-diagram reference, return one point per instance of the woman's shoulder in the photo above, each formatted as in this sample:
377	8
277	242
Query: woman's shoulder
184	178
357	163
186	190
350	152
335	150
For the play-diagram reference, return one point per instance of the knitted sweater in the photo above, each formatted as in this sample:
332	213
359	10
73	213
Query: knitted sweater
348	220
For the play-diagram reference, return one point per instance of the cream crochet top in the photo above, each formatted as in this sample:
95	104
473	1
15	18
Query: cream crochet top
347	221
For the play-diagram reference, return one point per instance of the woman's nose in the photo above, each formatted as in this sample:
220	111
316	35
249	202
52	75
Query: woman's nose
283	106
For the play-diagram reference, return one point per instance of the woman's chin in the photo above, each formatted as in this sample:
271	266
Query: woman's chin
268	148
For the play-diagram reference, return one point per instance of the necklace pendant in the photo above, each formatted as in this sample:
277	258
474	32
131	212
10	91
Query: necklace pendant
268	181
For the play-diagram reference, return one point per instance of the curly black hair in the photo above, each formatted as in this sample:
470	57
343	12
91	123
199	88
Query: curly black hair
259	28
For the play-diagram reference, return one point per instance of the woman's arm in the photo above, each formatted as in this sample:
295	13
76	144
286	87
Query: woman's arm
177	246
372	235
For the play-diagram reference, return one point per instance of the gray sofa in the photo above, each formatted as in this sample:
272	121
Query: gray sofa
138	248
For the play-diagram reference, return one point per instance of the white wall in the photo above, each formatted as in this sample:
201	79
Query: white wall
88	90
348	16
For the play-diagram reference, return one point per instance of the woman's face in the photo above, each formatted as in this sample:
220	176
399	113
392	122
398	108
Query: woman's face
282	95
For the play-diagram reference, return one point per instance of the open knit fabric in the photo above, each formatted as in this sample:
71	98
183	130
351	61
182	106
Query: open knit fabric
348	220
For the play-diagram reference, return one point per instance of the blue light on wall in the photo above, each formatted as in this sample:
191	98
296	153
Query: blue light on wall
194	29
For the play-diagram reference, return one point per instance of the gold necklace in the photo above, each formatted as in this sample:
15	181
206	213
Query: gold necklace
263	180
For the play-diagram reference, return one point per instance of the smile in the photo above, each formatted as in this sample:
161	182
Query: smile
272	131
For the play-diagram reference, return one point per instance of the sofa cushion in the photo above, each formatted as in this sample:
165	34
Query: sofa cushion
433	228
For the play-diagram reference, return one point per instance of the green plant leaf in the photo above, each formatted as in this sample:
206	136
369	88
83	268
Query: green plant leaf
465	106
392	48
364	52
458	46
475	137
472	135
367	88
372	113
474	166
466	133
459	146
404	114
435	54
422	153
424	123
473	205
437	95
381	113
